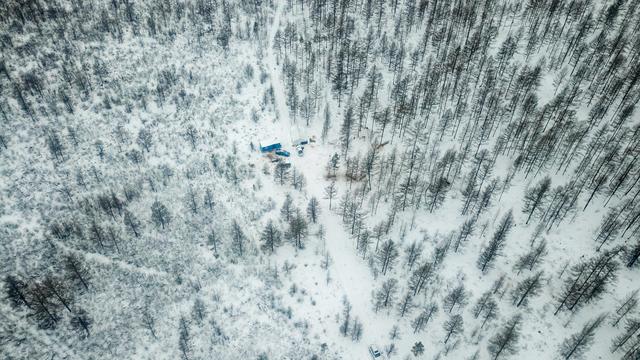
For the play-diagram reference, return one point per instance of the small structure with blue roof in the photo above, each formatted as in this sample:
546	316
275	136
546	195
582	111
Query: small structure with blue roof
270	146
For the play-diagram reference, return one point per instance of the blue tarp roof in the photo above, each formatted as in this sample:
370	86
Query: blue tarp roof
270	146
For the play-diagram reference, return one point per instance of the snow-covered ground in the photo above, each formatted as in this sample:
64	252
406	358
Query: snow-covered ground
134	198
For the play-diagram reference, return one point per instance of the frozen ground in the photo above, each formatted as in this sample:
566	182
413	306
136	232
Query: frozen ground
201	285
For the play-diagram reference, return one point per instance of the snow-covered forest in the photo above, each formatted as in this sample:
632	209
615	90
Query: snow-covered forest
454	179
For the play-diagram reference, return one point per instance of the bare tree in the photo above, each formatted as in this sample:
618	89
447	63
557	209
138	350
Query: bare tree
632	253
145	140
313	209
76	270
421	276
385	296
270	237
453	326
81	323
406	305
387	256
346	317
238	239
631	330
629	304
160	214
131	222
287	208
532	258
420	322
526	289
44	308
191	134
588	280
330	192
16	291
214	241
281	173
356	330
298	229
457	296
490	312
496	244
149	321
184	339
199	311
577	344
412	254
535	197
467	230
505	341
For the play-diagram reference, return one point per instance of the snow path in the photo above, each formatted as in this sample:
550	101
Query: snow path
282	110
347	269
105	260
350	273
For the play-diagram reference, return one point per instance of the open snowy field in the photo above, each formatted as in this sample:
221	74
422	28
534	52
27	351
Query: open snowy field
207	179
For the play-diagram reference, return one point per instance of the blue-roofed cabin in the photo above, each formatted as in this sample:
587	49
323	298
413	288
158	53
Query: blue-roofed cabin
270	147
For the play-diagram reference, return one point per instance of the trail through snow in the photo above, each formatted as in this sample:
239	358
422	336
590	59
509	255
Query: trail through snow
286	132
347	268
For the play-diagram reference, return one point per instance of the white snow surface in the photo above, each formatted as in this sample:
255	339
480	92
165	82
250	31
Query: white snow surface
261	307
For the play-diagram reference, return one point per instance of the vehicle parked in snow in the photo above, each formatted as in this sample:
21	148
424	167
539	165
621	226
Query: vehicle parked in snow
300	150
375	353
301	141
283	152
